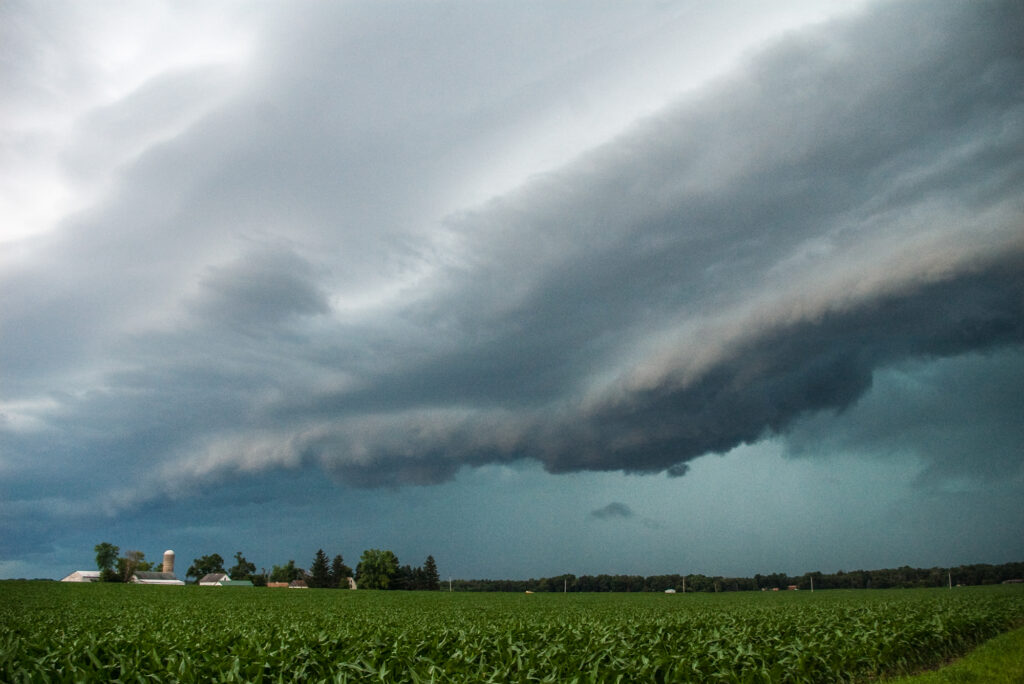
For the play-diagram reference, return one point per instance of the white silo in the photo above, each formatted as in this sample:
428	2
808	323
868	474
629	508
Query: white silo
168	561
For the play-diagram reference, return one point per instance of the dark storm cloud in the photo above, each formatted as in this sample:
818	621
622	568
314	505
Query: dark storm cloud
766	382
261	290
960	411
613	510
839	204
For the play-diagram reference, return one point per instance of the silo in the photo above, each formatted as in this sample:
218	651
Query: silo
168	561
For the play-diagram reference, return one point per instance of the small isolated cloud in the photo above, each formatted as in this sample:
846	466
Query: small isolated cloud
613	510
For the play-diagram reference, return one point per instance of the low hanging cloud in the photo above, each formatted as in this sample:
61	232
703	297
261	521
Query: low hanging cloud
613	510
844	203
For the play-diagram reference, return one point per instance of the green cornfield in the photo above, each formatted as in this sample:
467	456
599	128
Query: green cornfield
53	632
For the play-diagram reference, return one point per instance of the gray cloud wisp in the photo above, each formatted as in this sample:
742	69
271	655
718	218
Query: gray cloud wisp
615	509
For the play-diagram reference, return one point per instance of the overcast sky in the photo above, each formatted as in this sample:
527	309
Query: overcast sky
589	287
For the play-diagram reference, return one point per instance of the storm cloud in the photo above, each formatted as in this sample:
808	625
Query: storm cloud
371	244
615	509
636	310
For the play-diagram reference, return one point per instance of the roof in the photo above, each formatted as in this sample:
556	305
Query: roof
213	577
277	585
298	584
145	577
83	576
235	583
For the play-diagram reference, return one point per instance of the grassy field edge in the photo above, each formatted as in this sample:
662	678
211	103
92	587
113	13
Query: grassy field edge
999	660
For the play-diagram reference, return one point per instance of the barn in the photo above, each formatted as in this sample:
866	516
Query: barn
219	579
165	578
212	579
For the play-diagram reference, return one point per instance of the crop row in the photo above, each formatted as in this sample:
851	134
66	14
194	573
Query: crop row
50	632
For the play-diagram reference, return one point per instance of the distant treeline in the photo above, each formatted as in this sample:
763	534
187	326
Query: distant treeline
905	577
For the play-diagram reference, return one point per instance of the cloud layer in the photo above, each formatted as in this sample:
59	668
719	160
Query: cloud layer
320	258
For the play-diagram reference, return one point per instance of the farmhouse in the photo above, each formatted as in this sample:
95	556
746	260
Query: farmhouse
83	576
211	579
219	579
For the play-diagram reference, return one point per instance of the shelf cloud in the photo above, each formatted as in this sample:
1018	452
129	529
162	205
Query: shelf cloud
332	250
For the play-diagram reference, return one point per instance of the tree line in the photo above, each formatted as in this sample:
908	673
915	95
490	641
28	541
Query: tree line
380	569
376	569
904	577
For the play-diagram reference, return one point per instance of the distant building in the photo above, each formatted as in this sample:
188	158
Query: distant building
212	579
138	577
792	587
168	561
277	585
167	578
298	584
219	579
670	591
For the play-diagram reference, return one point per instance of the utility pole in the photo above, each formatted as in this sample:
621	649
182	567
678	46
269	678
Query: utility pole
812	584
449	584
950	579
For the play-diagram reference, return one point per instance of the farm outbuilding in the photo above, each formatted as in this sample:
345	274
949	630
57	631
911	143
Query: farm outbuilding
83	576
219	579
212	579
166	578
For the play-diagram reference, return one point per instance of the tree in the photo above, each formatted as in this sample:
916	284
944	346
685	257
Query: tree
205	565
320	571
431	580
131	562
404	579
376	569
286	573
340	573
242	569
106	557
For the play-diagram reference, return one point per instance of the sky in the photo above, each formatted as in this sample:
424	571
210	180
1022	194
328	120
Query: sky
533	288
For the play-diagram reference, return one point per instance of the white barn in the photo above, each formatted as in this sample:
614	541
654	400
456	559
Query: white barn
83	576
213	579
155	578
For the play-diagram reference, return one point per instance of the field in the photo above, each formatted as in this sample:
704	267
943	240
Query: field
84	632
